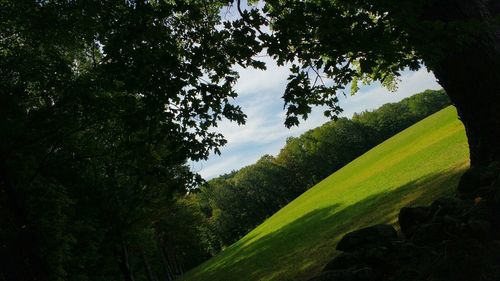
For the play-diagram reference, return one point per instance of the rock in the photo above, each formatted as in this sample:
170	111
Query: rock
342	261
481	210
377	235
495	165
489	174
362	274
453	239
487	177
376	257
494	217
465	259
496	197
476	178
479	229
431	234
449	207
410	218
405	252
488	191
448	220
486	210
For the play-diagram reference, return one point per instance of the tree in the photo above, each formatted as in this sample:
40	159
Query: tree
319	152
354	41
101	105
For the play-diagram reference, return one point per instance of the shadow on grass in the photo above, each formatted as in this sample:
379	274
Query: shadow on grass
300	249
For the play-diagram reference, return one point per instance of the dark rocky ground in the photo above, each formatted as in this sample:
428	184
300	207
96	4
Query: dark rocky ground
452	239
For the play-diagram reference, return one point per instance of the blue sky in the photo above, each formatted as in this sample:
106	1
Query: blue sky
264	133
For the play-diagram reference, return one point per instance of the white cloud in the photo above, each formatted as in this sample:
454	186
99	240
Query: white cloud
264	132
255	81
214	167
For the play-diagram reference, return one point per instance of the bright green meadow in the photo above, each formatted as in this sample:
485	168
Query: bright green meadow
414	167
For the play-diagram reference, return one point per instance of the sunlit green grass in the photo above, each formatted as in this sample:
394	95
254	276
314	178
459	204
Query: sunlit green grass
413	168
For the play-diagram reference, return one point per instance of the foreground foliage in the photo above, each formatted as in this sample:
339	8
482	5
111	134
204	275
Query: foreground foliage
101	105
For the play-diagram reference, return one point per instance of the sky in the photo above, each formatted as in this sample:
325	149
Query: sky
260	95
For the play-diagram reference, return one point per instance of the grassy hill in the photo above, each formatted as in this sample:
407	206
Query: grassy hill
412	168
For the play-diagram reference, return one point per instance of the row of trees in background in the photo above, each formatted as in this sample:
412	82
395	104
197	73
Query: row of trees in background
235	203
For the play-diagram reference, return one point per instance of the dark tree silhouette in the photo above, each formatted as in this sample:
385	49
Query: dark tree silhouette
101	105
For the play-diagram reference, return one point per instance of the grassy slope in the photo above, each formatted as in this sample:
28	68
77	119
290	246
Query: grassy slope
412	168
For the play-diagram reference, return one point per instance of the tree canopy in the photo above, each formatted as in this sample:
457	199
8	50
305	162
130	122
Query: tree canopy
101	105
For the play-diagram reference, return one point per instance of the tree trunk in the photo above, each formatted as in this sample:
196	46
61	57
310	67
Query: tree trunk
168	271
125	265
19	259
147	266
470	74
172	262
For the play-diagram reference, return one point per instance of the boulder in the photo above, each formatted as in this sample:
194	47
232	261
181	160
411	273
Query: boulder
431	234
362	274
481	210
343	261
476	178
479	229
489	174
453	239
449	207
410	218
373	236
488	191
405	252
